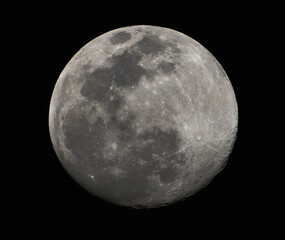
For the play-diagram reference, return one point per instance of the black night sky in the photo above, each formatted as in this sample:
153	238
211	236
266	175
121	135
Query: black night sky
42	201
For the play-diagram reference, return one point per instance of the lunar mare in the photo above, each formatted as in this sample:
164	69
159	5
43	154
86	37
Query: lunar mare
143	116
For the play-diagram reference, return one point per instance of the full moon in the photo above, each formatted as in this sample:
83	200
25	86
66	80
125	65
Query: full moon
143	116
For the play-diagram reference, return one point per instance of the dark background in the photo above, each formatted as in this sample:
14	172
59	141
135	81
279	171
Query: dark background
42	201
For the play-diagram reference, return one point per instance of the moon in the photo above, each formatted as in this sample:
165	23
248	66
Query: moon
143	117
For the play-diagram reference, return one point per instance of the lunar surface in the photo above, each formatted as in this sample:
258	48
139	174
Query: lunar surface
143	116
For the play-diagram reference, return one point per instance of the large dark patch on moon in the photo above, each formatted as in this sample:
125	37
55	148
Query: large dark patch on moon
120	37
83	139
151	44
126	71
97	84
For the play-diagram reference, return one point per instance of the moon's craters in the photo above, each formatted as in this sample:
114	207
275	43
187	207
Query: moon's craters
143	116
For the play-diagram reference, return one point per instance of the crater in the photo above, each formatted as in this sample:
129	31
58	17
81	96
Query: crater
114	145
198	137
120	38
